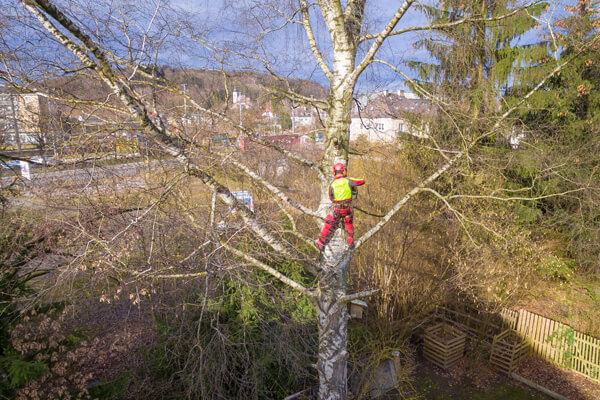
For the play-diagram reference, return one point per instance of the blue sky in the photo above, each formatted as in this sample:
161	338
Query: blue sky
288	49
233	24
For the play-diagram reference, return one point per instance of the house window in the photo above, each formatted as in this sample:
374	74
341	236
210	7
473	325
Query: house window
379	126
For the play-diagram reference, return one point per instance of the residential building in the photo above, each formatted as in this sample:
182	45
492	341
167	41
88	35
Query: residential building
383	117
309	120
24	118
268	121
302	116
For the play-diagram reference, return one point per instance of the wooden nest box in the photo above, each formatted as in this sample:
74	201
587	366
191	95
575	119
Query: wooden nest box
508	348
357	309
444	345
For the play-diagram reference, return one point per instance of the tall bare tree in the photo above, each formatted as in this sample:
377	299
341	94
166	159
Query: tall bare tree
107	47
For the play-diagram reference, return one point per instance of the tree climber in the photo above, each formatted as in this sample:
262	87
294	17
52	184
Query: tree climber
340	193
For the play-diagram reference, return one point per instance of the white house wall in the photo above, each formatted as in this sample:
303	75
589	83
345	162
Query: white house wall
303	121
375	129
382	130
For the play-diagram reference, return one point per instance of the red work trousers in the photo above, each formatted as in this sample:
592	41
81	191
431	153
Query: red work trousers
331	222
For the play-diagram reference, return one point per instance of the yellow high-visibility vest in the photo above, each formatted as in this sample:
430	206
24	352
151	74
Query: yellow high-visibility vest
341	190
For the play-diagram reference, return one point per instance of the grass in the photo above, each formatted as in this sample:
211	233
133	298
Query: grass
575	302
437	388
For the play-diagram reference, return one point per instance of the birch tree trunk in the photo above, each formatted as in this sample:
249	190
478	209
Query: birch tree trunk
332	314
331	310
332	317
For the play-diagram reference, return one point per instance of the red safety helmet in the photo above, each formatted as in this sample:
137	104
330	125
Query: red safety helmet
339	168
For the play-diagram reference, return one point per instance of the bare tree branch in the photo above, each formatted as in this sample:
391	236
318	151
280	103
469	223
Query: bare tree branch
348	298
178	276
451	24
276	191
313	43
246	131
150	208
170	144
463	152
272	271
379	39
491	197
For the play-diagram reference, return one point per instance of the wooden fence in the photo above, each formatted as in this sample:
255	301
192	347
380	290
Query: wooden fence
556	342
548	339
479	323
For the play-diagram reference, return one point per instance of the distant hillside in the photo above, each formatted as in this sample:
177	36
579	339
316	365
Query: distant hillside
206	87
252	84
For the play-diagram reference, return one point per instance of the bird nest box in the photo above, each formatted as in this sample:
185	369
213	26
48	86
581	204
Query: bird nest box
444	345
357	309
508	348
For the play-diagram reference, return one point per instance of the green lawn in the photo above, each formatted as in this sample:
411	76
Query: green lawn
437	387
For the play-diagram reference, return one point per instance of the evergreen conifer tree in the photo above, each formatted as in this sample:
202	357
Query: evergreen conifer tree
473	63
571	100
563	122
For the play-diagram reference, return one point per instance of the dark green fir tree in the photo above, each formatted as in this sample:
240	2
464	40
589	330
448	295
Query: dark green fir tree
473	63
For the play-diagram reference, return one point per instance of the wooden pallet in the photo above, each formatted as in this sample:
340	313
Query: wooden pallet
508	348
444	345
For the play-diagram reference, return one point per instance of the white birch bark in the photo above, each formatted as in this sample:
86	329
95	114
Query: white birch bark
332	315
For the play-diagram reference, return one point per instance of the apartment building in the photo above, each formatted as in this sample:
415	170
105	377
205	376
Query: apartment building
24	118
383	117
